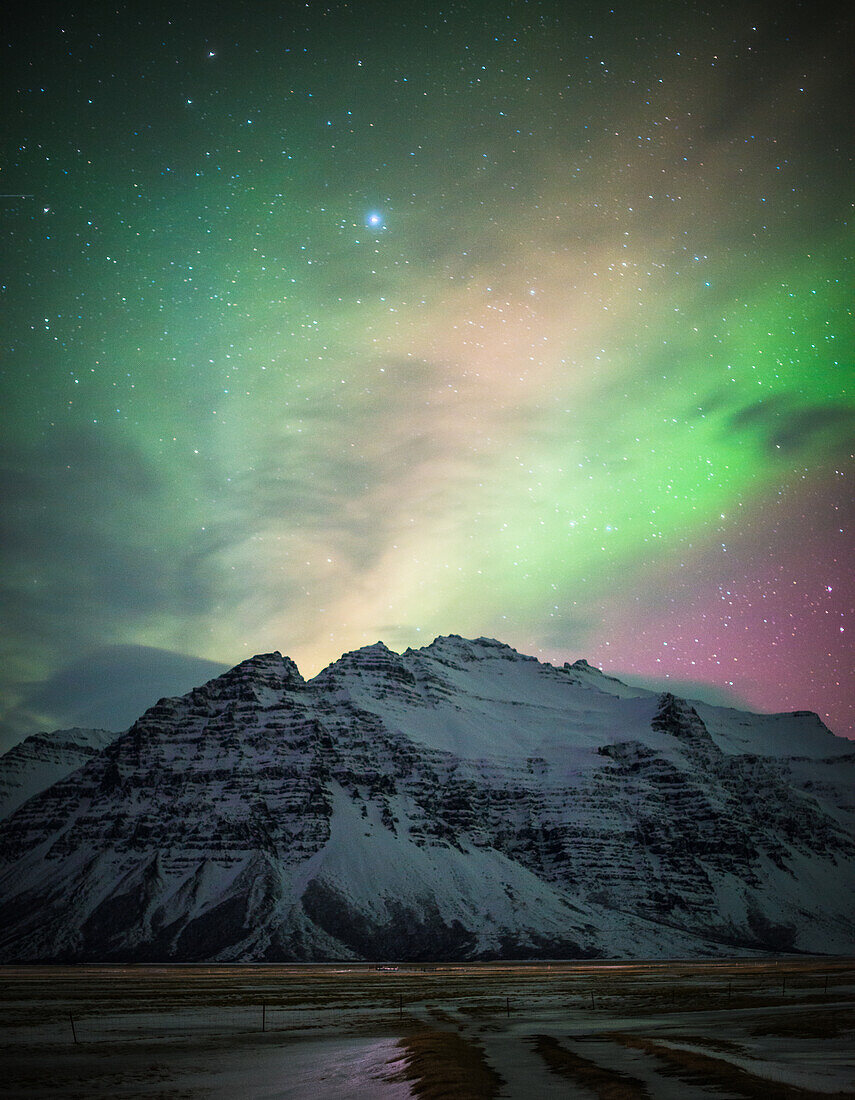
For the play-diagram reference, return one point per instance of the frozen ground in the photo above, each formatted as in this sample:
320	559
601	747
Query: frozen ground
662	1030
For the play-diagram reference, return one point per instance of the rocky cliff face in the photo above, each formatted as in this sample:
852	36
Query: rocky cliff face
42	759
457	801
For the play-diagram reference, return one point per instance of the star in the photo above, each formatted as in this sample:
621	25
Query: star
496	334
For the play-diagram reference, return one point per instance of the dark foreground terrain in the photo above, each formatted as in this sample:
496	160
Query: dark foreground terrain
738	1029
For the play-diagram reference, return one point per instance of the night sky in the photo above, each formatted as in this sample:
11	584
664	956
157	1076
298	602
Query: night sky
324	324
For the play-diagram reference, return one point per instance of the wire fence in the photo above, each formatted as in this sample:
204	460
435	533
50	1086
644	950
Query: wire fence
200	1021
124	1006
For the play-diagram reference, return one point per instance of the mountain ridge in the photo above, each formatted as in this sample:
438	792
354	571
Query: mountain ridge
43	758
460	800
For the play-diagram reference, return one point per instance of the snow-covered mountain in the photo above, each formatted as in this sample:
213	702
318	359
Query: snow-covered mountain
456	801
42	759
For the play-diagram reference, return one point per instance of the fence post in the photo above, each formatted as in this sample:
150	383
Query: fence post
264	1015
73	1029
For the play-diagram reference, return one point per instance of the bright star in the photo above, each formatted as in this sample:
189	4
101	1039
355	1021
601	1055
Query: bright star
374	220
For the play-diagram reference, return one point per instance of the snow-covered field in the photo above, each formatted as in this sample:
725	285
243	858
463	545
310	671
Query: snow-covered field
670	1030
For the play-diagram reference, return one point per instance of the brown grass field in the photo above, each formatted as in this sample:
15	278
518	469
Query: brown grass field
743	1028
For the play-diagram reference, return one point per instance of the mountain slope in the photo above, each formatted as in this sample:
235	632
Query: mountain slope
43	758
457	801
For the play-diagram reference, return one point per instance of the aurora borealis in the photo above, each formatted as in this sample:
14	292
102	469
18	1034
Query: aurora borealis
329	323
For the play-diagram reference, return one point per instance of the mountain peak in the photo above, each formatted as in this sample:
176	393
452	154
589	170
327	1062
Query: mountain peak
266	661
267	666
376	655
469	649
457	801
371	662
270	672
375	649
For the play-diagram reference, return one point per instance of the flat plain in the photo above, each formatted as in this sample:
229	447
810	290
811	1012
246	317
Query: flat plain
611	1030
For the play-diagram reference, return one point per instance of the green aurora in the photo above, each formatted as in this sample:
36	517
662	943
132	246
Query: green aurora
522	320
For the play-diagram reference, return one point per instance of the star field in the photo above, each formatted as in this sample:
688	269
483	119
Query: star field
329	323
